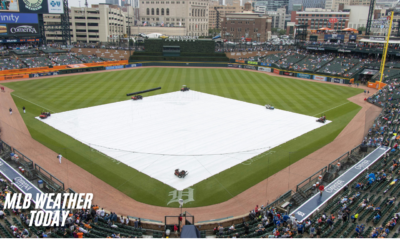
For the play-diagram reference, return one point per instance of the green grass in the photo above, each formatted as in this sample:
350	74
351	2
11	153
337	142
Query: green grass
79	91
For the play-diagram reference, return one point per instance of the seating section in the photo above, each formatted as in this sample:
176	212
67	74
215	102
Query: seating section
339	66
35	62
89	59
312	63
65	60
10	63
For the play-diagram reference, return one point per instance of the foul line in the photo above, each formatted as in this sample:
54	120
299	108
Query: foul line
33	103
331	108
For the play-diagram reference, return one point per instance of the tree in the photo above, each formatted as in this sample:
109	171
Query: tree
213	31
274	30
361	29
282	32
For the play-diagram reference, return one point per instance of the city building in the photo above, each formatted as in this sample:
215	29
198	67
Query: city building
313	4
100	23
319	18
113	2
192	15
278	18
334	4
358	16
272	5
217	12
239	26
292	3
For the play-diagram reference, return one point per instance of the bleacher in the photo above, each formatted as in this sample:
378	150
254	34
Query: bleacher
89	59
339	66
35	62
65	60
311	63
10	63
48	50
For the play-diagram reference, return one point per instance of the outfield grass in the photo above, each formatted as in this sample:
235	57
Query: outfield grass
79	91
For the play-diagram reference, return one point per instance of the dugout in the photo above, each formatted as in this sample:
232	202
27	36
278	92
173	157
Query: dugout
171	51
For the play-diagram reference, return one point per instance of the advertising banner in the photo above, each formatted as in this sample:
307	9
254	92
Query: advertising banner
56	6
250	67
264	69
288	73
276	71
302	75
33	6
14	77
237	66
230	65
316	48
266	64
352	37
43	74
18	18
130	65
20	40
239	61
319	78
252	62
138	65
337	80
334	36
23	29
115	67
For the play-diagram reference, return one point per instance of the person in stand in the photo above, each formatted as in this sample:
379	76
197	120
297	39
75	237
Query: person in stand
23	108
321	189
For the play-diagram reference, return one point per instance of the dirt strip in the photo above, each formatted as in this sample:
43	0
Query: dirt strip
15	133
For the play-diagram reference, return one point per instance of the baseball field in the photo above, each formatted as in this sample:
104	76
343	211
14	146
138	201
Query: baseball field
71	92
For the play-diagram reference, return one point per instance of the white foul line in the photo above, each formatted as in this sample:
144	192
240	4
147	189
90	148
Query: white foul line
44	108
332	108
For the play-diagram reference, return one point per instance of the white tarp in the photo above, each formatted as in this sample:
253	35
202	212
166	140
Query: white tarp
201	133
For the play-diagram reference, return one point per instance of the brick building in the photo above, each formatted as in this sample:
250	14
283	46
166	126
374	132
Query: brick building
236	26
217	12
319	19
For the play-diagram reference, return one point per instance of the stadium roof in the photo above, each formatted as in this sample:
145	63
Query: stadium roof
380	41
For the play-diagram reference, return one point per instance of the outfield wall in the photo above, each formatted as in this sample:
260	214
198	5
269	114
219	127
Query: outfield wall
239	64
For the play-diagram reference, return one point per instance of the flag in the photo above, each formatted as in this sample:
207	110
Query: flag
144	24
162	24
180	23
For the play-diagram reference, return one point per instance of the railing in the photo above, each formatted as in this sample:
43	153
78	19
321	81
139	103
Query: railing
280	199
46	174
356	149
307	183
24	160
333	164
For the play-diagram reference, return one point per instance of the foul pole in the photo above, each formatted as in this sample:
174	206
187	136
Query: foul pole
383	61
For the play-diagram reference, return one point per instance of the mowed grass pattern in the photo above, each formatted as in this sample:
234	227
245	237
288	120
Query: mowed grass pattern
80	91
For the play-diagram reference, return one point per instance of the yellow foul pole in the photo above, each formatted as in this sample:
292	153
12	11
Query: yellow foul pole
385	50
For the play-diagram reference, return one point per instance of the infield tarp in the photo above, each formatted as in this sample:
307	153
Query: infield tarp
201	133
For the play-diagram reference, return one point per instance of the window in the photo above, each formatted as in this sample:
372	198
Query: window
178	2
167	19
167	11
152	11
172	2
142	2
152	2
158	11
143	19
148	11
162	11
